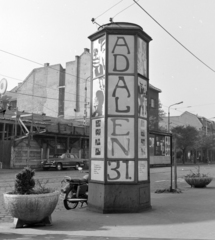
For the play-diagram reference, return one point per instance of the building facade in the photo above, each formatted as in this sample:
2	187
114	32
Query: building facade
185	119
65	93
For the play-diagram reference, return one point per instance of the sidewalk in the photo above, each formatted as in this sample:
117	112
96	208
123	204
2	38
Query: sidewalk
188	215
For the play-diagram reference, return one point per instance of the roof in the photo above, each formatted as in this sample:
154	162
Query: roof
154	88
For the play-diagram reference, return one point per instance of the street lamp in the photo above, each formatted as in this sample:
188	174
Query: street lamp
171	145
169	114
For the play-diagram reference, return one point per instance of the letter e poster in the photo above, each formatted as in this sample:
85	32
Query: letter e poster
120	137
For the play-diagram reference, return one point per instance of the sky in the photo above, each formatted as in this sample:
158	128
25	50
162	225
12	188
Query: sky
55	31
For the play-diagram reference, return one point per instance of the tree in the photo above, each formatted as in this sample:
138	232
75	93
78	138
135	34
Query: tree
186	137
153	121
205	143
161	112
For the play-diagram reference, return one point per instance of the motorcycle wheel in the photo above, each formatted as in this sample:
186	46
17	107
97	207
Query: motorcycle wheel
67	204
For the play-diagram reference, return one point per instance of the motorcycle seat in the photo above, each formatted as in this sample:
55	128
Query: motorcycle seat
78	181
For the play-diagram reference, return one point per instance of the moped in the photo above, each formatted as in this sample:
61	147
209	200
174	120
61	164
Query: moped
75	190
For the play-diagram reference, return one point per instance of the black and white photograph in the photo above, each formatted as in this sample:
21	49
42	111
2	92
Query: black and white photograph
107	127
98	123
98	132
97	141
97	151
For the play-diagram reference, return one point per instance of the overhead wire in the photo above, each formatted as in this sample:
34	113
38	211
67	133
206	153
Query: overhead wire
43	97
54	68
15	55
108	9
43	65
135	2
175	38
123	10
65	115
43	86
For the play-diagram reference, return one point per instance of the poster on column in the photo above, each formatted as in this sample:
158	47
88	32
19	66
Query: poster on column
99	50
97	144
121	54
122	171
141	57
97	170
98	97
142	139
120	137
121	95
142	170
142	98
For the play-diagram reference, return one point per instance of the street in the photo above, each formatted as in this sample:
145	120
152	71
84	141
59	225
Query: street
159	177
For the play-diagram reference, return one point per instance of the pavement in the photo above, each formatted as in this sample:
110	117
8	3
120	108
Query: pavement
186	215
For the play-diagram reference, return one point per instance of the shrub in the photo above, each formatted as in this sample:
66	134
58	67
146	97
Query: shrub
196	174
24	182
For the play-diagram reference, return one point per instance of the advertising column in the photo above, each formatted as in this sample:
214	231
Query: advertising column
119	169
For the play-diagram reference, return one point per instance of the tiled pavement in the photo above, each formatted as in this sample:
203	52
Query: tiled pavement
7	185
189	215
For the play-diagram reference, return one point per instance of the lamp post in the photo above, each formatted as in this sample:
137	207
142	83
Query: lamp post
169	113
171	142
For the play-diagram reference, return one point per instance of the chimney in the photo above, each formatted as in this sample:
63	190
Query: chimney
46	64
86	50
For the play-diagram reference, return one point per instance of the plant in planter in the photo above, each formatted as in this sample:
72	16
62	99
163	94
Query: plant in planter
198	179
30	202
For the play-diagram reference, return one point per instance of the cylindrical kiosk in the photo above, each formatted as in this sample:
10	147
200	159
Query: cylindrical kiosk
119	152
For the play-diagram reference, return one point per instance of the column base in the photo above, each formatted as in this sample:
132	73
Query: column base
119	198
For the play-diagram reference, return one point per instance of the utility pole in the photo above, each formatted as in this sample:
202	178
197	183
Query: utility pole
175	163
85	102
29	141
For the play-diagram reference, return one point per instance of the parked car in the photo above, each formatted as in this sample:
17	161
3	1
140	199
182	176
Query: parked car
66	160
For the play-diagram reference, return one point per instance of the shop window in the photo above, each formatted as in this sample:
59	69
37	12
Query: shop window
160	145
152	145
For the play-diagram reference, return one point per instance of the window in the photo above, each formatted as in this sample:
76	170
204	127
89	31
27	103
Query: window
152	145
152	103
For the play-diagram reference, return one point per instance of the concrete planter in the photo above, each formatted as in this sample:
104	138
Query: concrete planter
198	182
31	209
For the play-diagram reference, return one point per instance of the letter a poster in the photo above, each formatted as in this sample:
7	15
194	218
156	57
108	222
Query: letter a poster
121	54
